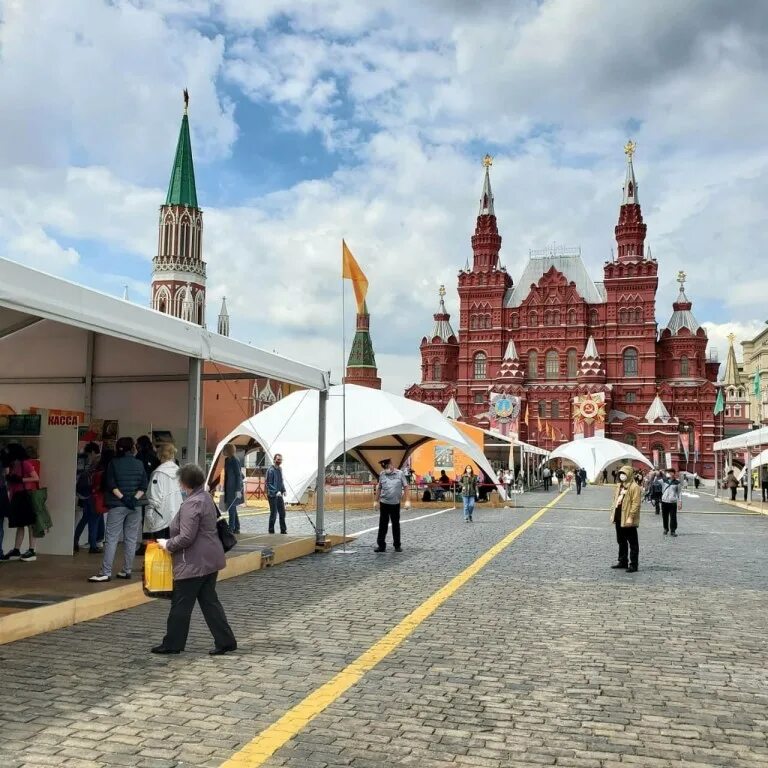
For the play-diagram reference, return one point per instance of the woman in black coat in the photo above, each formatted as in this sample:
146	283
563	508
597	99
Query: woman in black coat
233	487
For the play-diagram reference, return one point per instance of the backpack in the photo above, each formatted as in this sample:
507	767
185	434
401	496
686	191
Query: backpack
83	487
657	486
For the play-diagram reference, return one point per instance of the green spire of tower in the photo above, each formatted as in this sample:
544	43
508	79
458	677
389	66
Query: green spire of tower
361	355
181	190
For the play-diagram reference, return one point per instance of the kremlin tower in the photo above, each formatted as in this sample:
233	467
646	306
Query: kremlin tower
361	366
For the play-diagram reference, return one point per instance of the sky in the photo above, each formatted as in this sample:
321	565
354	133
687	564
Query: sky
314	120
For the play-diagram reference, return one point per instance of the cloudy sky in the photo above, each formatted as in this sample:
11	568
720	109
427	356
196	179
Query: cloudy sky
314	120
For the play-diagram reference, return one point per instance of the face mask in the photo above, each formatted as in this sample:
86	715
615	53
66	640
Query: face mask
622	477
668	476
184	494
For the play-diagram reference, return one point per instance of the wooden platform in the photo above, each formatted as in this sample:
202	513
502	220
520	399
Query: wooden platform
54	592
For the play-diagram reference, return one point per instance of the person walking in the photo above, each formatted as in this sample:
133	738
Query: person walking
468	492
233	489
626	519
670	499
276	494
22	476
126	483
546	476
389	493
163	495
605	476
198	556
656	491
731	483
5	502
696	480
84	492
559	476
579	480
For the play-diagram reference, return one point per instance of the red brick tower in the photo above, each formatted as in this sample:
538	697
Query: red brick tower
361	366
481	322
178	270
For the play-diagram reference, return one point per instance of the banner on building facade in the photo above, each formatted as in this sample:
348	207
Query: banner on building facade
696	444
667	460
504	414
656	457
589	415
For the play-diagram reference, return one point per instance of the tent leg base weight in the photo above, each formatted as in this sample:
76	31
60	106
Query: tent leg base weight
323	544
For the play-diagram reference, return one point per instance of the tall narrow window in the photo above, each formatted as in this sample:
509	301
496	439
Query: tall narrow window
593	317
481	365
533	320
684	365
553	365
555	409
543	408
630	362
573	363
184	239
437	372
533	365
572	317
631	439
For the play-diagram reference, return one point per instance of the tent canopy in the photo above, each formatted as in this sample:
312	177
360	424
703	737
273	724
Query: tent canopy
753	439
596	454
379	425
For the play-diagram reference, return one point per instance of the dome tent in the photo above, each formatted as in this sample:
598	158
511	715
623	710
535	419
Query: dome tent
597	453
378	425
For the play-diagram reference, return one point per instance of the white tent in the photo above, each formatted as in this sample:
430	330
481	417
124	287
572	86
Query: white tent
753	439
378	425
596	454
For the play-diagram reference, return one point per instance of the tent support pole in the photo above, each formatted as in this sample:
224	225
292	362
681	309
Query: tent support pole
193	410
320	484
88	395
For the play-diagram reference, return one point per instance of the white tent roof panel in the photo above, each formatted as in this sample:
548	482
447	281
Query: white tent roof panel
597	453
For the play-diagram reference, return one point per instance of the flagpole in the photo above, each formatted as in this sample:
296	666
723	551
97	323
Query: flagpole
343	418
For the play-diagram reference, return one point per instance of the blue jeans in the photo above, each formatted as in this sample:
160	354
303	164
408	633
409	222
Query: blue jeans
234	518
469	506
91	519
124	522
277	509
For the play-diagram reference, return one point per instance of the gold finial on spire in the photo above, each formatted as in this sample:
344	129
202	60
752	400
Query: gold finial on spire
442	291
731	338
681	278
487	161
186	101
629	149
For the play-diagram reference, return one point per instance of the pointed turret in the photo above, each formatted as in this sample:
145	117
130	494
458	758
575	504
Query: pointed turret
682	317
657	412
223	327
452	410
182	190
361	366
486	242
179	261
442	328
731	377
630	231
511	366
591	368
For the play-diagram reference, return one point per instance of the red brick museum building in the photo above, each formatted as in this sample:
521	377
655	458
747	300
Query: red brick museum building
557	355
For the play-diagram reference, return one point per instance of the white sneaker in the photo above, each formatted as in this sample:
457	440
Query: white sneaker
99	578
29	556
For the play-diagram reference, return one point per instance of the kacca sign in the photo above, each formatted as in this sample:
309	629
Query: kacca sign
65	418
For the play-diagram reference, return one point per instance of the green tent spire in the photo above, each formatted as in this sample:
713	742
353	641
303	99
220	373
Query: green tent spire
181	190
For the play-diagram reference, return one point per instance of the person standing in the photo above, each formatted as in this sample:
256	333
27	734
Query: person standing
5	502
546	476
670	499
731	483
605	476
163	495
233	489
626	519
389	493
145	453
468	492
276	494
656	491
579	481
198	556
84	491
22	477
764	481
696	480
559	476
126	483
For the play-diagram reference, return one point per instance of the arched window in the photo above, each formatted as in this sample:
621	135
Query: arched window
622	315
571	317
555	409
543	409
515	321
556	317
473	321
184	239
533	365
481	365
533	320
593	318
684	365
487	321
631	439
630	362
741	393
553	365
573	363
437	372
638	315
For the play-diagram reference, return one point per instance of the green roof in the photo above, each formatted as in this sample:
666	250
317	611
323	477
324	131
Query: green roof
181	190
361	355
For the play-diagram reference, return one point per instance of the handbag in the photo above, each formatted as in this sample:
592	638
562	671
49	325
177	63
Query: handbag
43	522
226	536
158	571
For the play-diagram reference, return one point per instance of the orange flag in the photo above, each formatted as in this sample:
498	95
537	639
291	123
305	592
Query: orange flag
350	270
527	414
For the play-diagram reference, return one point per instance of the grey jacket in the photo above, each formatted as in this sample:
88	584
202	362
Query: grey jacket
194	542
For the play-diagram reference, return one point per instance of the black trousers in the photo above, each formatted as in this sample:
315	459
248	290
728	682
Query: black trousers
277	508
656	500
733	493
669	515
547	483
203	590
629	544
578	487
764	486
388	512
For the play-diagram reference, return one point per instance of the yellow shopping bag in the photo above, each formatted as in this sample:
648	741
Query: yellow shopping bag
158	571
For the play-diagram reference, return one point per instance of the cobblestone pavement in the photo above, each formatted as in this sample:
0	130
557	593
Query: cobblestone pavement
546	657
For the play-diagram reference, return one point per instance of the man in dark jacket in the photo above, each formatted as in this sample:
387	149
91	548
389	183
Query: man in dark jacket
276	494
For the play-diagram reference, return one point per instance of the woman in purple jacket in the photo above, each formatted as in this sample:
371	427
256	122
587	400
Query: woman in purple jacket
198	556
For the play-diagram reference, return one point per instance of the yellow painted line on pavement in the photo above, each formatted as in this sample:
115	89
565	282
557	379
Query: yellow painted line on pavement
270	740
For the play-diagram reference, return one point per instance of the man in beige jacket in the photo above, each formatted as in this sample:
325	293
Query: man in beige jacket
625	515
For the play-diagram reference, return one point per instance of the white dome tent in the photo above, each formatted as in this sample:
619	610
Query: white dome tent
378	425
596	454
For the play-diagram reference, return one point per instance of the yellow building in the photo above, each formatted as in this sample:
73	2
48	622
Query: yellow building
756	361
